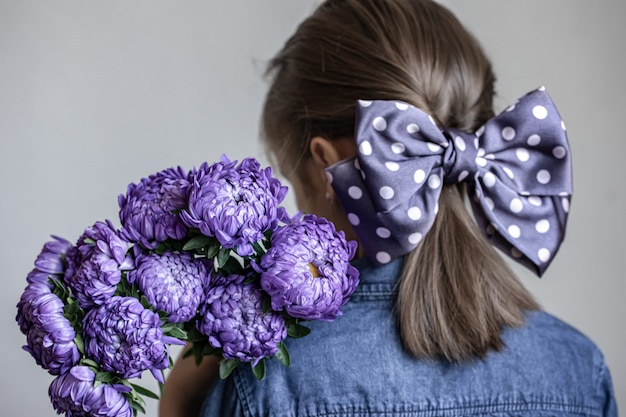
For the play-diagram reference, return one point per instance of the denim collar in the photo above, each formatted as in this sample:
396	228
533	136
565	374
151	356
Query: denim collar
377	279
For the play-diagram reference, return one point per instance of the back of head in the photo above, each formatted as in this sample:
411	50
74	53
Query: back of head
410	50
455	293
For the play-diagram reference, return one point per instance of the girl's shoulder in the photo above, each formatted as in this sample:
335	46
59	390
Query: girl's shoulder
546	336
546	366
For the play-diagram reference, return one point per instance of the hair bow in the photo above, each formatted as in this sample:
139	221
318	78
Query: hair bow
517	166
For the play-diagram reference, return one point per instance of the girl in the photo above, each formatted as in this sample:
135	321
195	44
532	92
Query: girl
439	325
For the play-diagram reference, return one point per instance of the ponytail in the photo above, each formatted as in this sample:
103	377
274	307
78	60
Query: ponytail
455	292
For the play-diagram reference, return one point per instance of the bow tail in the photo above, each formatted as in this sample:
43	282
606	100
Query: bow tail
384	233
527	228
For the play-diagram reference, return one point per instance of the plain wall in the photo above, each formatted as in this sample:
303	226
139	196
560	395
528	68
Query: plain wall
94	95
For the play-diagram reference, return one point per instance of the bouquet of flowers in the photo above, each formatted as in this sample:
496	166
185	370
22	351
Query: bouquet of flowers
207	257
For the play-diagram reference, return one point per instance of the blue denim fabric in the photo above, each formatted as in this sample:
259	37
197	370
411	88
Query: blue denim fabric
356	366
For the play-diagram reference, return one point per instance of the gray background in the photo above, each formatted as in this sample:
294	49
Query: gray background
94	95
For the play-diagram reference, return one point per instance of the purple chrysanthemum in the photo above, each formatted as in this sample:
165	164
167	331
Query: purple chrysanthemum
234	203
50	261
124	337
36	276
94	281
76	395
95	265
148	210
49	335
51	258
234	320
307	270
103	238
172	282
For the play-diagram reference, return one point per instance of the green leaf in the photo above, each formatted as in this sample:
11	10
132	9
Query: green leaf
197	352
258	249
283	355
160	250
80	345
222	257
227	366
209	350
197	242
74	314
59	289
266	304
137	407
167	327
105	377
177	333
145	302
232	266
251	278
212	250
124	289
259	370
162	386
144	391
90	363
194	335
296	330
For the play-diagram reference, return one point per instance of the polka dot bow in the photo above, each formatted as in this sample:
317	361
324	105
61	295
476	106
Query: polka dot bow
517	166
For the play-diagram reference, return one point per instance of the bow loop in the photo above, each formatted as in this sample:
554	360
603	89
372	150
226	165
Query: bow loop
529	139
518	168
393	137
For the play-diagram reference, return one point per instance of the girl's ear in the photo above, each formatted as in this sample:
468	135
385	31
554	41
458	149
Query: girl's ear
324	152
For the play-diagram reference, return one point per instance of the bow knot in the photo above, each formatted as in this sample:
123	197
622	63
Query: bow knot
459	158
517	167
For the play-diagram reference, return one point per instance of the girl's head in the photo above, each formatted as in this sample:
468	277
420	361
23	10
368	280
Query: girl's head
410	50
414	51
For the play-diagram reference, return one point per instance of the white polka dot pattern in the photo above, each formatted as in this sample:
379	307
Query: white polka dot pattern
460	143
414	213
516	205
412	128
355	192
365	148
419	176
354	219
508	133
386	192
397	148
380	124
383	257
518	165
533	140
415	238
392	166
540	112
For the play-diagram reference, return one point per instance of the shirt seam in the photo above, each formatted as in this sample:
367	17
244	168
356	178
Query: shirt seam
472	409
242	396
383	296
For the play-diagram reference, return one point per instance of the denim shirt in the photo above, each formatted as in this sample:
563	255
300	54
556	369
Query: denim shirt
356	366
